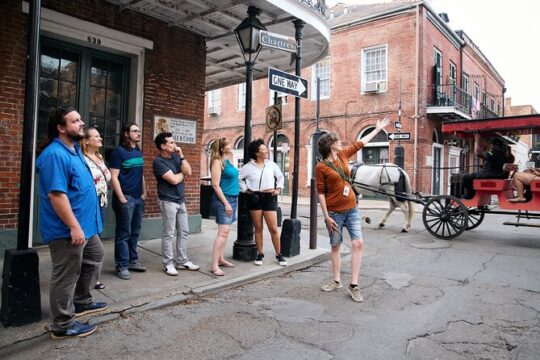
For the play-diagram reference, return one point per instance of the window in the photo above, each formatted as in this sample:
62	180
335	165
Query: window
465	83
437	62
453	73
377	151
374	69
242	97
214	102
238	152
476	91
492	103
282	96
321	70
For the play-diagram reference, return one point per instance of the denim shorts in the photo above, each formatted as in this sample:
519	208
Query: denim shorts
219	209
349	219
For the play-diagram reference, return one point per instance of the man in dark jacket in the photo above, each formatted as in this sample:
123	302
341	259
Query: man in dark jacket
494	160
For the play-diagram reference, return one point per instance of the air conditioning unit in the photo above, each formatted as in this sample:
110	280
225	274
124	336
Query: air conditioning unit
371	87
213	111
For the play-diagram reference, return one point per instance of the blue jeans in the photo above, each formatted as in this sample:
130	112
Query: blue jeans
349	219
128	228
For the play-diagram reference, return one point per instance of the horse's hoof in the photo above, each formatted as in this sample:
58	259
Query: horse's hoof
404	230
381	225
367	219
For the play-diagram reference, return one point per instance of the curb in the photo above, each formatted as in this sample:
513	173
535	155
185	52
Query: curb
163	299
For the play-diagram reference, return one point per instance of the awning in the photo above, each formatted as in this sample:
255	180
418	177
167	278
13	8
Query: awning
512	125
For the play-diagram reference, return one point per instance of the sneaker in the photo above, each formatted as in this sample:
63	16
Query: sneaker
259	259
78	329
81	310
136	266
123	273
331	286
281	260
355	293
188	266
170	270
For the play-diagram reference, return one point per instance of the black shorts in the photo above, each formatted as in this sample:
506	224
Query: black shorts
262	201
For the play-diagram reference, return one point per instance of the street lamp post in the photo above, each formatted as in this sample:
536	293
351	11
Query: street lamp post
247	34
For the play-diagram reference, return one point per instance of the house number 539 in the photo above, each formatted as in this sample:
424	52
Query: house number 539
93	40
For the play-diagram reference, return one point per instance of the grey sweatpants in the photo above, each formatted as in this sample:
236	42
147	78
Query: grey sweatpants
74	273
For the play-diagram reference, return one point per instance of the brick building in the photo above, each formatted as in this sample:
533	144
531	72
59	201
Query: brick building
144	61
382	58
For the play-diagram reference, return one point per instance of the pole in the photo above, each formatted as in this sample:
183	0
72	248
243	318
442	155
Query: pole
21	301
298	25
313	193
290	232
244	248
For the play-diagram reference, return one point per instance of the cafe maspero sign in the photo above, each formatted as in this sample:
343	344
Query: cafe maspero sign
278	41
183	130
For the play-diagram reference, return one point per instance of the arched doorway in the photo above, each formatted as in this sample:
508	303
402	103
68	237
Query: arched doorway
282	158
377	150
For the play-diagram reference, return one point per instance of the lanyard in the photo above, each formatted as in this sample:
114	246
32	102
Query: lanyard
339	170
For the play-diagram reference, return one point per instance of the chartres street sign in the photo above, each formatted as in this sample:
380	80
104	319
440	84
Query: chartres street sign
399	136
277	41
287	83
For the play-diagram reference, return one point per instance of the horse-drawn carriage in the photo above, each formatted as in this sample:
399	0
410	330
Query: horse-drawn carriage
448	216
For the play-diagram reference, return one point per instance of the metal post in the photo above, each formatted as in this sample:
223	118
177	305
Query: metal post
299	26
244	247
313	193
21	301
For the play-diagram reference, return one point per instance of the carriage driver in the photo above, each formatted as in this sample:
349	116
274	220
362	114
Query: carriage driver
338	204
494	160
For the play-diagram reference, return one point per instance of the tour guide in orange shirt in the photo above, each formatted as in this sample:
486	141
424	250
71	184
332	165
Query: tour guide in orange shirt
338	204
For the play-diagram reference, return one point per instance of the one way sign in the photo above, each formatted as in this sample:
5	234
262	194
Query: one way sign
287	83
399	136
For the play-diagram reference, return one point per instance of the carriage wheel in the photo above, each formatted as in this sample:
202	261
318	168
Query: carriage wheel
445	217
475	218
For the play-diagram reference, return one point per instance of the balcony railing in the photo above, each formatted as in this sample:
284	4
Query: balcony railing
318	5
449	95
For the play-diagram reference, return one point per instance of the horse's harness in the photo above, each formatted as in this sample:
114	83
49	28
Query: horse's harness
381	183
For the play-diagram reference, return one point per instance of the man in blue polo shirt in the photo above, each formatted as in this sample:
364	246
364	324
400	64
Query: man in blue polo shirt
70	222
127	180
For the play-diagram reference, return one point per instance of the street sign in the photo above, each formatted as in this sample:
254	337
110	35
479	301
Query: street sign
397	126
273	118
287	83
278	41
399	136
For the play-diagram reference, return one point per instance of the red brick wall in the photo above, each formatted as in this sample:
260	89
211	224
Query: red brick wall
174	86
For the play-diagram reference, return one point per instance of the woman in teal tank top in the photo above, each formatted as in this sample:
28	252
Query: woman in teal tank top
225	199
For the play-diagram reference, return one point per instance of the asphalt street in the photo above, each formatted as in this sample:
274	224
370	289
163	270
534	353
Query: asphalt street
475	297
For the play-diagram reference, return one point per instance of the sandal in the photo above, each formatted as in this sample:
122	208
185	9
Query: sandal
226	264
99	286
217	272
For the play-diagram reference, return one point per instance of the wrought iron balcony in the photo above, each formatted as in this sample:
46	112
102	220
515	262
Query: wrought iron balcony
449	101
318	5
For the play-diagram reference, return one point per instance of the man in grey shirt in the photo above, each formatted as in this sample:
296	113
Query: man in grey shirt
170	168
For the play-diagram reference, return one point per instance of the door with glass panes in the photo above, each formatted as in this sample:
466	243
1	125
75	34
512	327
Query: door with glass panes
95	83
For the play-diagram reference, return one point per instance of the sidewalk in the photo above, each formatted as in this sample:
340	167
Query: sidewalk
153	288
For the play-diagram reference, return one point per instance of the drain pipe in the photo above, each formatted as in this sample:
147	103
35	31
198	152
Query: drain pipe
416	85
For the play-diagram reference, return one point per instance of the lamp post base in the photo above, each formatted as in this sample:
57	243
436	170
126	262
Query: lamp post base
21	298
244	252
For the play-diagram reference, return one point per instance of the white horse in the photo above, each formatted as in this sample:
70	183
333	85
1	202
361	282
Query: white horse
389	179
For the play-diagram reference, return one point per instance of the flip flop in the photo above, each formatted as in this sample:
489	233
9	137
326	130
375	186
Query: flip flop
217	272
99	286
227	264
